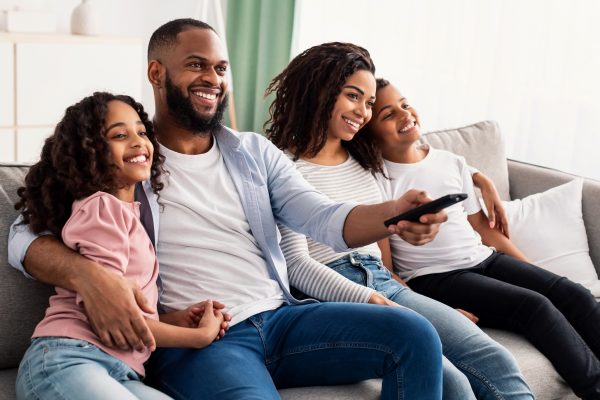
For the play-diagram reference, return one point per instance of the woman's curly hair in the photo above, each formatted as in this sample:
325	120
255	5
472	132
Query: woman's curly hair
305	94
76	162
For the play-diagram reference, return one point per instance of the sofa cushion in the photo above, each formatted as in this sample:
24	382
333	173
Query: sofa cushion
24	300
535	223
482	146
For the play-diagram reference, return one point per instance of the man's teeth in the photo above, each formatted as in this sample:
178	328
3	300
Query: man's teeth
354	124
138	159
209	96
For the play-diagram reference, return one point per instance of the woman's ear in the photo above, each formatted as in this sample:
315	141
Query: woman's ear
156	73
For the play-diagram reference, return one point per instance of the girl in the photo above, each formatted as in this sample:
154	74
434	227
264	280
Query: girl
559	317
322	99
82	190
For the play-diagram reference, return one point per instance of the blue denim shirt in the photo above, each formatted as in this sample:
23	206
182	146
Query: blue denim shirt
271	190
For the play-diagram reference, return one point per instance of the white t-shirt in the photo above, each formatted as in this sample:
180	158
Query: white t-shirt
206	249
457	245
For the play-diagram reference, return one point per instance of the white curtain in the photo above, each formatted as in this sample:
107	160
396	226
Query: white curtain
531	65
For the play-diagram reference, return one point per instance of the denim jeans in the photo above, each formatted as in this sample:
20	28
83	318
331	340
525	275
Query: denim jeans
63	368
559	317
471	356
308	345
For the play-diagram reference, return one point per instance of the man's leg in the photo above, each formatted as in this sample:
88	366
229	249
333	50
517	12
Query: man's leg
230	368
340	343
506	306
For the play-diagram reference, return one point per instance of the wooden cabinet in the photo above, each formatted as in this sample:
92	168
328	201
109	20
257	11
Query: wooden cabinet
41	75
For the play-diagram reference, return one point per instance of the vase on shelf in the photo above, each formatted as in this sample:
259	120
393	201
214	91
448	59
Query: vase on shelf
86	18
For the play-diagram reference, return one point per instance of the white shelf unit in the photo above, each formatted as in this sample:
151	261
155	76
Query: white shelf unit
41	75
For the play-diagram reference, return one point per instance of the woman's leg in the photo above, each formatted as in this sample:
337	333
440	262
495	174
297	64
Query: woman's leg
504	305
61	368
491	370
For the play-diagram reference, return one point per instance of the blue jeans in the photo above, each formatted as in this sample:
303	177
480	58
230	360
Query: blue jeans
308	345
63	368
470	355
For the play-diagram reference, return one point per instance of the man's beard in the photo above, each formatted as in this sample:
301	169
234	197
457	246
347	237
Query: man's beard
187	117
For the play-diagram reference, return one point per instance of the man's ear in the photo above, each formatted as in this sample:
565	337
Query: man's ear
156	73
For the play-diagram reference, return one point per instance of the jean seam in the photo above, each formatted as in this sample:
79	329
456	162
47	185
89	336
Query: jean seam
338	345
481	377
28	382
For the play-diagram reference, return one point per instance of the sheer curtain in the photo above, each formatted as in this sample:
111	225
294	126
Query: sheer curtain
531	65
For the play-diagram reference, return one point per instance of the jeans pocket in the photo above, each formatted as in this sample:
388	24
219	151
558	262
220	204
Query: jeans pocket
356	273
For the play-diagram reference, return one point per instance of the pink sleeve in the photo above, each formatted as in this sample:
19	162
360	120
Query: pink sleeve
99	229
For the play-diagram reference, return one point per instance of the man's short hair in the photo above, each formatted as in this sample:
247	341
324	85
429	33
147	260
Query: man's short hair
166	35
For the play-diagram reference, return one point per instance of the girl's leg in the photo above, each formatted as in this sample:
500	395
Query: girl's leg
61	368
574	301
143	391
503	305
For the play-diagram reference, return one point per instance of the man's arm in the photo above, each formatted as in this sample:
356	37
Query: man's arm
111	302
364	223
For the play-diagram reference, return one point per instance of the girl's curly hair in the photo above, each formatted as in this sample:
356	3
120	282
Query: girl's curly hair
76	162
305	94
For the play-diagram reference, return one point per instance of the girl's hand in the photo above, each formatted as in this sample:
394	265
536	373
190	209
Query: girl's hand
469	315
211	321
495	208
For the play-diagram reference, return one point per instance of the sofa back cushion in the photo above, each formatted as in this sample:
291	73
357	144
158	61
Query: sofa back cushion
24	300
482	146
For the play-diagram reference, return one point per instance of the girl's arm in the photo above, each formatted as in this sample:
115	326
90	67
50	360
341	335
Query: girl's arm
191	316
493	237
496	213
207	331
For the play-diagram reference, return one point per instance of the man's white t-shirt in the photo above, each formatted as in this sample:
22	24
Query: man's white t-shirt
457	245
206	249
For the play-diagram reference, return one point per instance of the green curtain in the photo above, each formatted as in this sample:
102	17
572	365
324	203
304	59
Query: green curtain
259	37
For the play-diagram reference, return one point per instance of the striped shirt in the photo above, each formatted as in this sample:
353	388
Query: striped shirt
305	257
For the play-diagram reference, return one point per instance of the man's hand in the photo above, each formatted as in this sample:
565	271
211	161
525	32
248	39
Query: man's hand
114	308
422	232
191	316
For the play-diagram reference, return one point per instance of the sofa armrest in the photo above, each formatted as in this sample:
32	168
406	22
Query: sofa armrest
526	179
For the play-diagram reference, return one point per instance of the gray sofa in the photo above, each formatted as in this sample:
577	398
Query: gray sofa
25	300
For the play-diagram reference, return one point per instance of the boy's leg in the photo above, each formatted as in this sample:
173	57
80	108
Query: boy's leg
503	305
574	301
230	368
61	368
340	343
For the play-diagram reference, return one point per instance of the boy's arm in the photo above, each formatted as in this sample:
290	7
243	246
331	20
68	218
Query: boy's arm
493	237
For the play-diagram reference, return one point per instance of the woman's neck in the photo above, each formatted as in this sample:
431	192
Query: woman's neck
333	153
406	154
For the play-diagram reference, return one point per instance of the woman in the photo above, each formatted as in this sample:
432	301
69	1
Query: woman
322	99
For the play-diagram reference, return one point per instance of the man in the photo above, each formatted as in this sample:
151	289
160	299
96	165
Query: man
218	239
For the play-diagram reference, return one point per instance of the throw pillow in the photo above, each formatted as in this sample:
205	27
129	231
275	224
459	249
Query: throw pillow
548	228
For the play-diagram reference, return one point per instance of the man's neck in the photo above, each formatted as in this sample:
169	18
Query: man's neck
181	140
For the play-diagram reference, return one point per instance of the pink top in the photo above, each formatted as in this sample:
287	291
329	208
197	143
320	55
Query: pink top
108	231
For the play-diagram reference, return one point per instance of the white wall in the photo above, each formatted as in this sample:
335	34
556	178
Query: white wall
531	65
